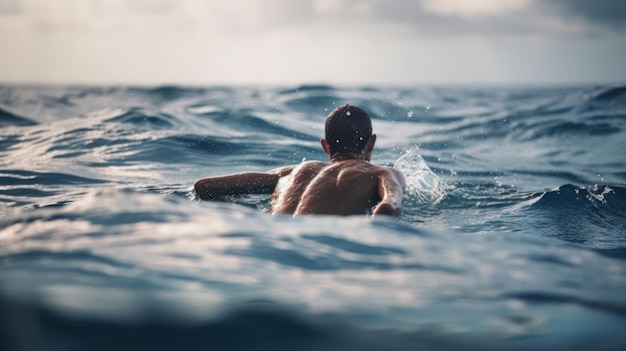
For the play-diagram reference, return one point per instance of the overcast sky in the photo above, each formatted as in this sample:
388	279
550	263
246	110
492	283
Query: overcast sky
313	41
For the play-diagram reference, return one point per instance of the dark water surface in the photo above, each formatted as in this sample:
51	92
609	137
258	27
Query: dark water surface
513	234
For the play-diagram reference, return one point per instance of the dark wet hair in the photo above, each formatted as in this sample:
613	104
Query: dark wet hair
348	128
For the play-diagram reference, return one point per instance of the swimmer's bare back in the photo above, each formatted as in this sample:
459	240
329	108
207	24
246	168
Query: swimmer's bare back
345	187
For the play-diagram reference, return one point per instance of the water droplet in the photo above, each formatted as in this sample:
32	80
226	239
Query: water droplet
410	114
337	141
427	107
347	113
360	138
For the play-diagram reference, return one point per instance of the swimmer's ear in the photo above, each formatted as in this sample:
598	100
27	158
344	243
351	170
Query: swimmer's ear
366	153
325	146
369	147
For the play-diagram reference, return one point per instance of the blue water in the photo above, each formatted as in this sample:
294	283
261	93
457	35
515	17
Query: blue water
513	234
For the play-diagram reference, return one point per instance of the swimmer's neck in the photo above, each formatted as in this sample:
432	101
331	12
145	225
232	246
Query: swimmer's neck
344	157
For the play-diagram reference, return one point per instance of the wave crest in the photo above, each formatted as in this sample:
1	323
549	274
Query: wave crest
11	119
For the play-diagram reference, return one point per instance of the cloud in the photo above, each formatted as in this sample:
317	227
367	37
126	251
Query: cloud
473	8
417	17
311	40
9	7
605	13
497	18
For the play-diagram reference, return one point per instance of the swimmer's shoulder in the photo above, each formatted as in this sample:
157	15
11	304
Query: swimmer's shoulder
384	172
392	173
312	165
306	166
309	169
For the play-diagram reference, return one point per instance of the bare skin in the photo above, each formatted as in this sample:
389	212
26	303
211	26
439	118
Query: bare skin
347	185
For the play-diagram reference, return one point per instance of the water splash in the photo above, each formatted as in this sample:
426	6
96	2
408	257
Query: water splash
423	186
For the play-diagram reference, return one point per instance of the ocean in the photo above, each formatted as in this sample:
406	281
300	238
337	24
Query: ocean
513	235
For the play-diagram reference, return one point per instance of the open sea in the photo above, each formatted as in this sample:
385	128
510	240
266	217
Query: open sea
513	236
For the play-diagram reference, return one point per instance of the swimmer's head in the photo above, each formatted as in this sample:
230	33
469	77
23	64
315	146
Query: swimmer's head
348	129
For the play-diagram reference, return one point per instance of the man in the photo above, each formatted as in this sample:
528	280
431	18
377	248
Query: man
349	184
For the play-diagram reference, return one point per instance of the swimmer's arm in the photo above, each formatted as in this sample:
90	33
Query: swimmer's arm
391	184
214	188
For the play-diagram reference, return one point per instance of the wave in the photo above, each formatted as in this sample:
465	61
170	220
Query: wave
142	118
560	174
321	100
254	325
11	119
527	128
17	177
613	117
307	88
188	148
607	197
591	129
131	265
8	141
613	94
254	124
552	298
619	253
27	190
201	151
169	92
337	254
593	216
316	104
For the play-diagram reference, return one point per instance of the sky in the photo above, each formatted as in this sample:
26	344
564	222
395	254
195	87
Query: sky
408	42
